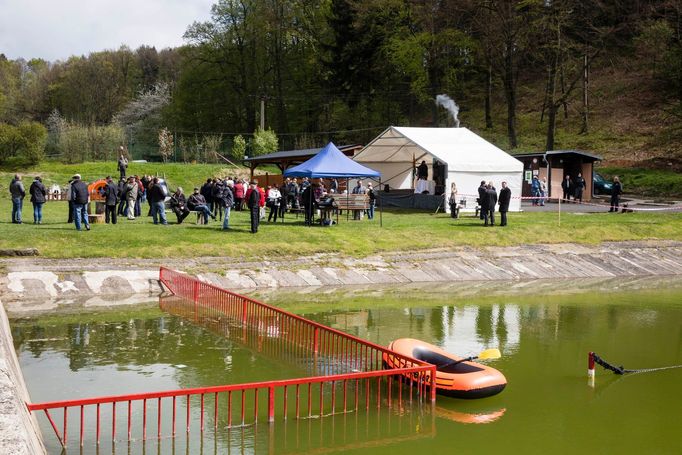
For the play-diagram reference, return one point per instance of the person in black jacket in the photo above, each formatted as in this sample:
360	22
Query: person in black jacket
580	186
616	191
423	171
197	202
229	202
481	198
38	197
491	201
308	204
253	203
80	198
505	198
16	189
110	201
123	204
156	198
178	204
216	198
207	192
567	186
284	191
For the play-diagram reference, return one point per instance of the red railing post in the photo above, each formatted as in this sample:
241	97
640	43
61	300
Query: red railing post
363	360
433	383
196	300
271	404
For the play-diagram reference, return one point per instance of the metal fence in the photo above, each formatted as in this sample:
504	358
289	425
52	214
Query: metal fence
346	374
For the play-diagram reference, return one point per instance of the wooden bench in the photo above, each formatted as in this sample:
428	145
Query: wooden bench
351	202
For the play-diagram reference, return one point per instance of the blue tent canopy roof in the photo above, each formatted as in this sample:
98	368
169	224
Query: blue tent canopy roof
330	162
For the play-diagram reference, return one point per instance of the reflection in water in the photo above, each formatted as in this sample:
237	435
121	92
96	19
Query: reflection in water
464	417
544	340
460	330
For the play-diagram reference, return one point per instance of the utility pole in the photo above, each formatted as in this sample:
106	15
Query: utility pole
262	113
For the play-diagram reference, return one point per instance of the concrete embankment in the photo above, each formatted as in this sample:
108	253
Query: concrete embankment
42	284
19	433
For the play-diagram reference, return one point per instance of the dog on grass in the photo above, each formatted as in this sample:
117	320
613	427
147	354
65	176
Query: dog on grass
625	209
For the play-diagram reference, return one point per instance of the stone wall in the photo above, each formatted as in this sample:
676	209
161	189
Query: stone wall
45	284
19	433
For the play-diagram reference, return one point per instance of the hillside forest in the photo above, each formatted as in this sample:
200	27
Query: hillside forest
603	76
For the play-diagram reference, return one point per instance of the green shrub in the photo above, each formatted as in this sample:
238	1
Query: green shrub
646	182
264	141
22	144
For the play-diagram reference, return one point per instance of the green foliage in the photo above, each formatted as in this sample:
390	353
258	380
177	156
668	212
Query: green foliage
646	182
263	142
343	70
24	144
653	41
77	143
239	147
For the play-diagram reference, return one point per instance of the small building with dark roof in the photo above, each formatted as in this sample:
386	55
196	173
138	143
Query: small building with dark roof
554	165
287	158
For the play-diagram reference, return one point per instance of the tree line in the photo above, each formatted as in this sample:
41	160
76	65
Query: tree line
335	70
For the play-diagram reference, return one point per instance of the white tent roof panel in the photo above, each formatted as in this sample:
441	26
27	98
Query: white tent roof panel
460	148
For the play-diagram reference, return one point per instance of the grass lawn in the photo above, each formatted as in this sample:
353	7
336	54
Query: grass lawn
177	174
401	231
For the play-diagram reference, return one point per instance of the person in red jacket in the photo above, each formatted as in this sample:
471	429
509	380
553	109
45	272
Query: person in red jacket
239	191
261	203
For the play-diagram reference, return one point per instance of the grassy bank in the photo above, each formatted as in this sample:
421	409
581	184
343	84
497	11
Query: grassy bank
647	182
401	231
177	174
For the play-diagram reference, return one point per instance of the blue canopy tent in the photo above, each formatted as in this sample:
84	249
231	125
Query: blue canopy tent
330	162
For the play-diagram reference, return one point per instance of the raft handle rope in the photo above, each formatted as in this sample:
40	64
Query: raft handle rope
594	358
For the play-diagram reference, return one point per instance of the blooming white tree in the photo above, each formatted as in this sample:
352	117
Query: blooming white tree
165	144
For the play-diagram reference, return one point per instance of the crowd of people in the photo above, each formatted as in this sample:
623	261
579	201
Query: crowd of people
572	190
488	199
215	199
218	197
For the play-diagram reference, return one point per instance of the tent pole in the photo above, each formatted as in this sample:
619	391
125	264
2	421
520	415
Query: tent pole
347	197
381	207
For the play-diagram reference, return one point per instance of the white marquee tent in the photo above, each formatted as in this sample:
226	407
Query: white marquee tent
467	157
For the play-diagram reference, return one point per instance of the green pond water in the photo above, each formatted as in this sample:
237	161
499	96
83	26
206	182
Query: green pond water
544	336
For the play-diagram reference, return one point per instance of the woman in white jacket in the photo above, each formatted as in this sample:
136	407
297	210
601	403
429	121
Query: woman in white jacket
274	198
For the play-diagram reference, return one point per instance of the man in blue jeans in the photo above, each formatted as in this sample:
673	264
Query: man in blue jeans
198	203
80	198
228	197
16	189
156	198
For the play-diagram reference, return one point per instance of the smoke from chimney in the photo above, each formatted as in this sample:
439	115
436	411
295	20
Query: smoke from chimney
449	104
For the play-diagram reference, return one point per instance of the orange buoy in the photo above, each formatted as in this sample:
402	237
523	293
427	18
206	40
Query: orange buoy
455	376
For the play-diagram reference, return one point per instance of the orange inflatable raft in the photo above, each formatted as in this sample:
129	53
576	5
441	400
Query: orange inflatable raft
454	377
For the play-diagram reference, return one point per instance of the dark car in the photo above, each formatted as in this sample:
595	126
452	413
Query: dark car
600	185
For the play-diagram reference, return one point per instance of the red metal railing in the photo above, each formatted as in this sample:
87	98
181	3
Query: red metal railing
347	374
